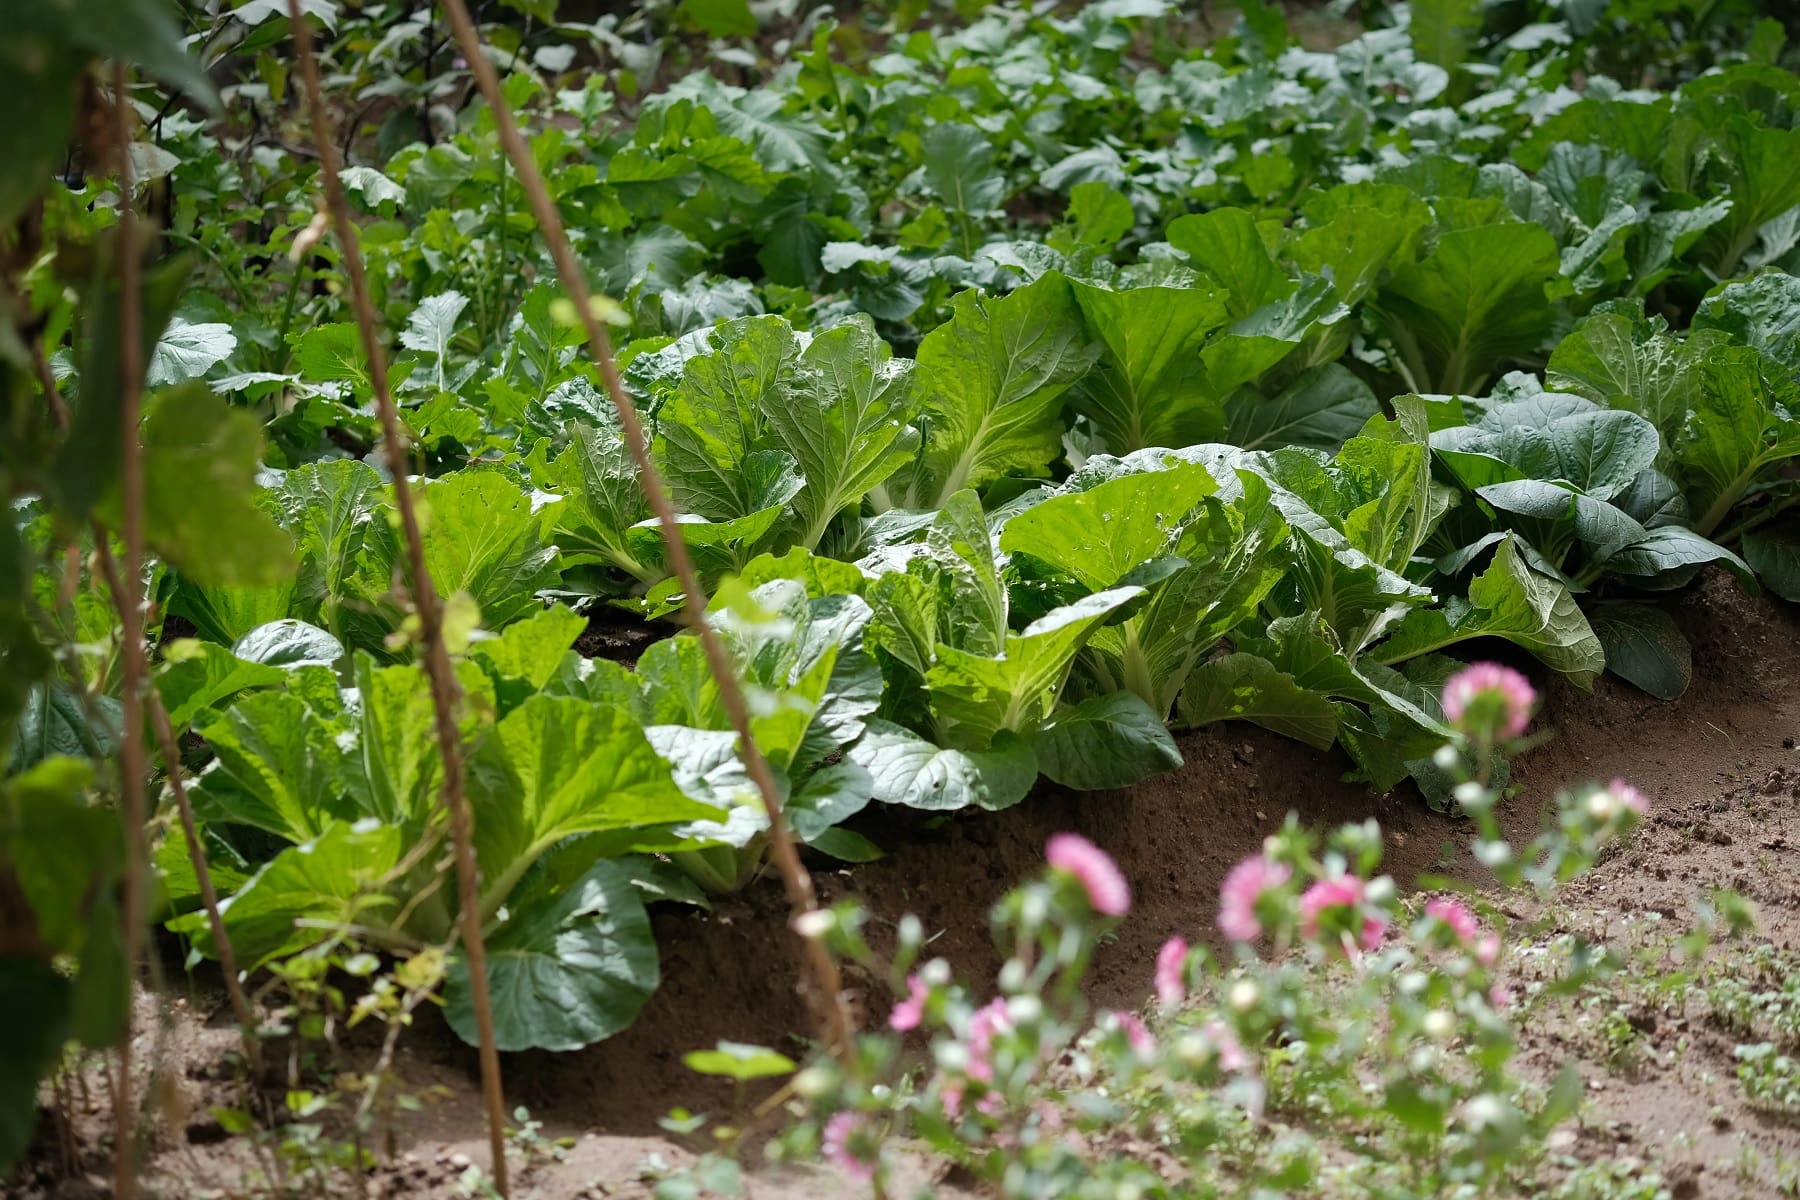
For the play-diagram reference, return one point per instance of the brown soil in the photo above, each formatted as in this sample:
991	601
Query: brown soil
1719	766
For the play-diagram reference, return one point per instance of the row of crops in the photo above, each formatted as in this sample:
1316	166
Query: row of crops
1031	387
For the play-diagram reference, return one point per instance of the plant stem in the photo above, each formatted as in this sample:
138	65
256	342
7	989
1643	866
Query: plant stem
445	693
798	884
209	897
132	765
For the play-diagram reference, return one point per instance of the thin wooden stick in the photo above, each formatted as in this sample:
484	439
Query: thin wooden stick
801	898
445	693
209	897
132	765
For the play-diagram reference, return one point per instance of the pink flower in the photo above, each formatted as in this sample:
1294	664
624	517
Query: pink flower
1242	889
836	1147
1500	997
988	1020
1345	891
1171	965
1232	1056
1487	949
1452	913
1107	892
1142	1044
909	1012
1488	698
1630	797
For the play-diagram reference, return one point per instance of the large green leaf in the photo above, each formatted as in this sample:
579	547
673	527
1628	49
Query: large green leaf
571	966
200	462
906	769
1512	601
993	378
974	697
1475	301
555	767
846	423
1244	687
1108	741
959	169
336	880
276	766
1150	387
1645	648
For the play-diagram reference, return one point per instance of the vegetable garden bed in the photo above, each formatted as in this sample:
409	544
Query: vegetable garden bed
1096	421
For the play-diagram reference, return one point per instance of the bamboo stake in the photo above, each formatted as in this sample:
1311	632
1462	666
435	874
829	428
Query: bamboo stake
445	693
132	765
798	884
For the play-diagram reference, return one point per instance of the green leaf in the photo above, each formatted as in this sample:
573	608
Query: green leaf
975	697
1775	553
1645	648
276	767
200	510
1108	741
531	650
1512	601
1244	687
86	467
1444	31
846	423
1225	248
289	645
430	329
1621	364
1322	408
187	351
1098	215
1763	312
910	771
571	966
1599	451
720	18
1149	387
1670	556
1100	535
713	424
483	535
555	767
1739	428
37	1011
198	675
960	171
1474	302
735	1060
993	378
306	892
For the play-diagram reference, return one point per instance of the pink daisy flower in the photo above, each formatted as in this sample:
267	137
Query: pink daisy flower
837	1150
1487	949
1345	891
1107	892
1142	1044
1239	893
1630	797
988	1020
1232	1056
1488	699
909	1012
1461	921
1171	967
